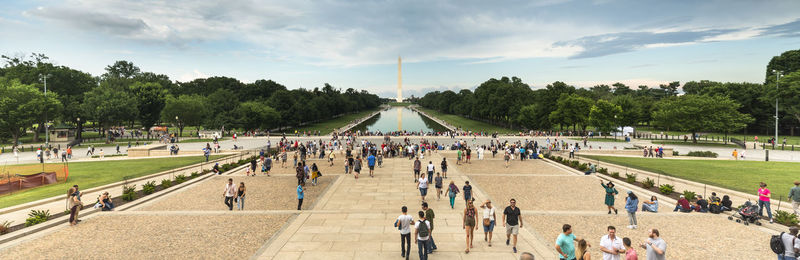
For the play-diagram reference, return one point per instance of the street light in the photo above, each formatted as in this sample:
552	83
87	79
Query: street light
778	75
78	135
178	124
46	128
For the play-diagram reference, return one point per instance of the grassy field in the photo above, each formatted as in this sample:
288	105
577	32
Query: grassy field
741	176
94	174
699	143
749	137
326	127
467	124
399	104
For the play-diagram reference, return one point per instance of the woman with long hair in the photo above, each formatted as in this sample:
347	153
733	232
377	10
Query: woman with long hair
452	192
583	250
610	192
75	204
468	224
240	194
632	205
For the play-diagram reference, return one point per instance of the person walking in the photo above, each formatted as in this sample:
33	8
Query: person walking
438	184
611	245
444	168
565	243
794	195
763	201
417	168
371	164
422	233
507	158
300	173
403	223
610	192
467	191
489	217
229	193
655	247
431	168
357	166
468	224
423	186
331	157
240	193
452	192
429	215
75	204
512	221
300	194
632	205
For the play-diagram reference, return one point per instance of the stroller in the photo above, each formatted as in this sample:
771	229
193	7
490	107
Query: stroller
747	214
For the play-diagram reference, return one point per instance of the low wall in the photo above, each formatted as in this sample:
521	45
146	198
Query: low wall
146	150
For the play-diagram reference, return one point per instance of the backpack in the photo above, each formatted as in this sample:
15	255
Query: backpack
715	208
423	231
776	244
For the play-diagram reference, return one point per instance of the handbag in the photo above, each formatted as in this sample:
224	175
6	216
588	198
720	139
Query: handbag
487	222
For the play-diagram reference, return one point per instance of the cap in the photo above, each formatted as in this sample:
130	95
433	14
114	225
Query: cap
682	196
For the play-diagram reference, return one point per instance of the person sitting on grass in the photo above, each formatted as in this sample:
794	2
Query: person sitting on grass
650	205
701	205
683	205
591	170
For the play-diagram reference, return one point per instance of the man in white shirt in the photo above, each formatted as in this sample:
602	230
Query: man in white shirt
422	241
423	186
230	192
611	245
790	244
431	168
403	223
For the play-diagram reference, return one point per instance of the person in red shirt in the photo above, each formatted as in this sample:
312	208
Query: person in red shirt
683	205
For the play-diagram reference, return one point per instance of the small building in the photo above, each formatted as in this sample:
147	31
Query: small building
62	134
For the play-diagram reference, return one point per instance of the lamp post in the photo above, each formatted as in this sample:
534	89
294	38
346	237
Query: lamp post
778	75
46	128
178	124
78	135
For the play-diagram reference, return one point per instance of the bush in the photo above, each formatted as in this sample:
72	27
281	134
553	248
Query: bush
165	183
36	217
786	218
149	187
4	227
666	189
615	174
702	154
128	192
602	170
195	174
675	153
583	167
180	178
630	177
690	195
648	183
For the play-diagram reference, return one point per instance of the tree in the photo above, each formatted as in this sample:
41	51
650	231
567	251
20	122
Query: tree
257	115
787	62
109	106
20	105
788	94
121	70
527	117
150	100
631	111
605	116
695	113
621	89
572	110
184	110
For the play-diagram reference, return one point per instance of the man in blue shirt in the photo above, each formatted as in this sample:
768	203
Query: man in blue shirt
371	164
300	195
565	243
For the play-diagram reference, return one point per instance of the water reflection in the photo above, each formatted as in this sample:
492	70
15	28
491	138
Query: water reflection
401	119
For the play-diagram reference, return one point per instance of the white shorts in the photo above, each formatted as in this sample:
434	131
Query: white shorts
512	230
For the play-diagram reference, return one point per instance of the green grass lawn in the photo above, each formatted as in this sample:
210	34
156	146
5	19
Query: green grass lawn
699	143
399	104
741	176
748	137
325	127
466	123
94	174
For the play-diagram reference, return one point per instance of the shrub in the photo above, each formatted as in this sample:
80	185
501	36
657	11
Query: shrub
4	227
149	187
602	170
180	178
690	195
128	192
675	153
648	183
559	158
195	174
786	218
574	164
36	217
702	154
583	167
165	183
666	189
615	174
630	177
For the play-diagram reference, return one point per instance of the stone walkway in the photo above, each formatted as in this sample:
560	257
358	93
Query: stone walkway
354	221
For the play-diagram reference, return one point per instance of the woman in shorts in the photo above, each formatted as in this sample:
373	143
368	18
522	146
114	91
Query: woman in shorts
357	166
468	225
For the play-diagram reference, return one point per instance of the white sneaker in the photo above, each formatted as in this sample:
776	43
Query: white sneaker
635	226
630	226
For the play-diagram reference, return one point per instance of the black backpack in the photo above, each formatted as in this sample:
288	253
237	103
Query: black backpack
423	231
715	209
776	244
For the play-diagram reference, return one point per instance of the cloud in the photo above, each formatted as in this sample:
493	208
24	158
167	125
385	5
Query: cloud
195	74
790	29
608	44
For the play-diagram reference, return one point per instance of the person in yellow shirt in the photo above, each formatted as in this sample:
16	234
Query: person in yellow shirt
735	155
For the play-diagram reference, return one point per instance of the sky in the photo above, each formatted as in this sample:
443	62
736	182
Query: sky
444	44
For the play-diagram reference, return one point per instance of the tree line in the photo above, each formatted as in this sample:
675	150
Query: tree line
703	105
126	96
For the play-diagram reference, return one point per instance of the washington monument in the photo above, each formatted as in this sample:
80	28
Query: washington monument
399	79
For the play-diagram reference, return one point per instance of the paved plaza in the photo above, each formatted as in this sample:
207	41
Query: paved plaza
348	218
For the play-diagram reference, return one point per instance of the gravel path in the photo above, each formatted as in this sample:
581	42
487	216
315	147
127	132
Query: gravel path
691	236
154	237
515	167
263	193
547	193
